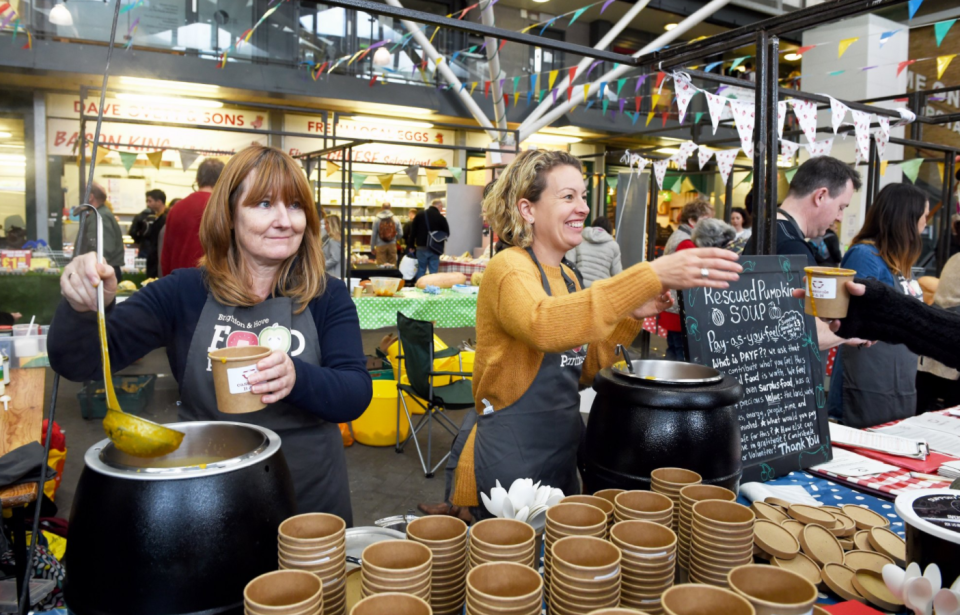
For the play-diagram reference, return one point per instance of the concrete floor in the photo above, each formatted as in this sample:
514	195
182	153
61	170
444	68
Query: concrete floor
382	482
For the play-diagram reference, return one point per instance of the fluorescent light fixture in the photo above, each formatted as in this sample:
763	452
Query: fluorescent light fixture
386	121
12	158
548	139
670	26
2	146
668	151
162	85
167	101
742	68
60	16
541	1
5	135
792	57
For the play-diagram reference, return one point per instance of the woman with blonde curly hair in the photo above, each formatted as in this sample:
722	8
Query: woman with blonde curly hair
261	282
541	335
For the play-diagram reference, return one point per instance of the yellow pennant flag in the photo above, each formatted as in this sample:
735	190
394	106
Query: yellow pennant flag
586	91
432	175
574	108
553	78
439	60
385	181
942	63
516	97
332	168
940	167
101	154
649	117
654	99
883	167
528	28
156	157
844	44
537	89
432	36
473	86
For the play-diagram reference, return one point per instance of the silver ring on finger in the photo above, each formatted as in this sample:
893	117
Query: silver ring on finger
704	273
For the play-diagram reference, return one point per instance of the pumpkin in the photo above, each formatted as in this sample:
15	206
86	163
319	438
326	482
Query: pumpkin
775	312
717	317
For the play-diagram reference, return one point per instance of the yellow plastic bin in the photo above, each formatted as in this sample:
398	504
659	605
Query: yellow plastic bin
377	426
399	372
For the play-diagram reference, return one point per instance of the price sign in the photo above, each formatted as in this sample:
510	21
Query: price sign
15	259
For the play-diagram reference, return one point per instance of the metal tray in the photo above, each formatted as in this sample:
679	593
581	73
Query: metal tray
359	538
668	372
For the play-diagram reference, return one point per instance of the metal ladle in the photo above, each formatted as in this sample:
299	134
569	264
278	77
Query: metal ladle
621	350
131	434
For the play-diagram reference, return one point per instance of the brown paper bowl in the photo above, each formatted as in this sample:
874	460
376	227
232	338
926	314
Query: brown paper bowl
692	600
502	536
643	538
438	531
609	494
835	298
561	603
586	558
407	586
504	585
645	503
392	604
572	585
615	611
692	494
312	530
479	608
282	592
603	504
581	599
517	554
772	590
328	550
396	559
573	518
235	361
675	478
725	516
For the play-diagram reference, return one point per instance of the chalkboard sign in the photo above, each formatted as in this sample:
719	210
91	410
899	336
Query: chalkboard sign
756	331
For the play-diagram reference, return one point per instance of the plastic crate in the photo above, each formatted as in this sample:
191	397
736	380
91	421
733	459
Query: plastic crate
133	393
382	374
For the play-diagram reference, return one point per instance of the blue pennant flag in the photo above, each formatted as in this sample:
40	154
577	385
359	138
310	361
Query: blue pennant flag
709	67
914	6
633	116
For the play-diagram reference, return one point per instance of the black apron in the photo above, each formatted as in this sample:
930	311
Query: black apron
537	436
313	447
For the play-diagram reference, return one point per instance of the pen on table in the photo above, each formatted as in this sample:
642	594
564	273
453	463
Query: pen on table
922	476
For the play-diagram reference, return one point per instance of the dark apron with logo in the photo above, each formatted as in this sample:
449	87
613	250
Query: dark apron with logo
312	447
537	436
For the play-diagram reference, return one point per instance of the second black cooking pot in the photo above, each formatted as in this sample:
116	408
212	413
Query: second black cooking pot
180	534
664	414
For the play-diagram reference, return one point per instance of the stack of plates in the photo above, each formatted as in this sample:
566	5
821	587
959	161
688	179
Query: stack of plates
643	506
291	592
603	504
722	539
391	604
446	537
585	577
504	588
689	496
400	566
669	482
502	540
649	563
570	520
317	543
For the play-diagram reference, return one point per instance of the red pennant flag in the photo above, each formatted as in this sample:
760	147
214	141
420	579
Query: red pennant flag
636	103
573	74
506	101
500	48
4	7
423	65
660	77
664	115
804	50
903	65
486	89
570	91
373	80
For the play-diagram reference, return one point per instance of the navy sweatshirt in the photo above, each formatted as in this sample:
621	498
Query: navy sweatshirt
165	314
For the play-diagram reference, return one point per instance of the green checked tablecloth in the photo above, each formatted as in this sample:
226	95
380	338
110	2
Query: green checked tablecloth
448	310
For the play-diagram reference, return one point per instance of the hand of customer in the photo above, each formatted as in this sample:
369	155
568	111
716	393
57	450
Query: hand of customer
653	307
275	377
16	315
79	281
856	290
686	269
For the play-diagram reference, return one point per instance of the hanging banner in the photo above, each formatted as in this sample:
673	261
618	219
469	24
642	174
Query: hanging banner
128	159
725	160
704	154
456	172
385	181
743	116
838	111
67	106
806	113
155	159
911	168
715	104
358	180
820	148
187	158
788	148
660	171
332	168
684	92
781	117
432	175
413	172
686	150
861	123
882	136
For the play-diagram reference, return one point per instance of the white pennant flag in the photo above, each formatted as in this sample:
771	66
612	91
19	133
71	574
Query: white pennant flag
187	158
820	148
743	116
705	154
685	92
882	136
858	159
838	111
641	164
806	113
725	160
906	117
788	148
781	116
686	150
861	123
715	104
660	170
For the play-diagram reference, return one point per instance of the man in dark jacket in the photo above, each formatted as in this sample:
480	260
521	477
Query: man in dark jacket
409	249
429	222
141	229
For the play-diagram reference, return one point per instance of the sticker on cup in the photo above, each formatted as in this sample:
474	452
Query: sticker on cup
238	379
604	577
824	288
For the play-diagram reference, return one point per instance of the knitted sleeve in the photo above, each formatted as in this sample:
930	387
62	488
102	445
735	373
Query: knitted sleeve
886	315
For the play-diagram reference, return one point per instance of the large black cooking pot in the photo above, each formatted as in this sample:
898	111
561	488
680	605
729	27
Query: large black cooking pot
665	414
184	538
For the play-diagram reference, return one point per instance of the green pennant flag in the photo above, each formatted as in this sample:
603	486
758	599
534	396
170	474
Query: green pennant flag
620	83
675	183
790	173
911	168
612	181
127	159
358	180
456	172
748	179
738	62
941	28
578	14
697	116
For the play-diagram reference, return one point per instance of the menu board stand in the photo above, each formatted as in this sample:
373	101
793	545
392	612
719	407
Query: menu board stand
757	332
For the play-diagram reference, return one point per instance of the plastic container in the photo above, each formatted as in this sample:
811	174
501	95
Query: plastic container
377	426
30	351
385	287
133	393
932	518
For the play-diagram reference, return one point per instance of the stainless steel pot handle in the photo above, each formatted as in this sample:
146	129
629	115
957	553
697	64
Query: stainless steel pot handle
621	350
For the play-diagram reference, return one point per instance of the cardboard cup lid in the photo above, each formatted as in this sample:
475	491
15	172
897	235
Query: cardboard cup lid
794	527
802	565
862	540
866	560
847	544
864	517
768	512
812	514
775	540
839	578
777	502
886	542
821	545
847	526
870	585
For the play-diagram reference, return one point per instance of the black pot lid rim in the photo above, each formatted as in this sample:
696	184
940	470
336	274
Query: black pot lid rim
620	369
903	506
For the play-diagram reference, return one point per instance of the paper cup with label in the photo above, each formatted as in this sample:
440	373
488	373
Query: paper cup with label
231	368
827	294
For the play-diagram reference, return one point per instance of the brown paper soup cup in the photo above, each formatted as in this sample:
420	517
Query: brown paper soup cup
391	604
643	537
586	558
644	502
312	530
495	535
575	518
579	598
396	559
704	600
231	366
772	590
827	295
609	494
480	608
675	477
603	504
504	584
283	592
696	493
438	531
727	516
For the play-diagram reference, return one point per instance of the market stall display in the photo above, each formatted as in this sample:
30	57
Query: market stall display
448	309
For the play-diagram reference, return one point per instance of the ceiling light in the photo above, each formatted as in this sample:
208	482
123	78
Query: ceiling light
792	57
167	101
742	68
5	135
669	151
164	85
386	121
11	146
60	16
553	139
540	1
670	26
12	158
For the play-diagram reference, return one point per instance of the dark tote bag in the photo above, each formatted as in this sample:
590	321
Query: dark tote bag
436	240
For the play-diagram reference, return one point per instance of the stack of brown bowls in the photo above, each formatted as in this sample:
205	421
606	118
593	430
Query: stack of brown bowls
694	599
391	604
669	482
689	496
649	563
643	506
446	537
502	540
504	588
401	566
570	520
585	577
284	592
316	542
722	540
772	590
607	506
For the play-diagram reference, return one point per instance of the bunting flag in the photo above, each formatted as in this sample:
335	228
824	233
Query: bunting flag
911	168
941	28
845	44
838	112
634	116
820	148
861	123
788	148
620	83
685	92
747	179
781	117
593	65
886	36
586	91
432	175
806	113
790	173
605	104
743	117
358	180
660	171
686	150
127	159
603	87
516	97
649	117
131	6
738	62
654	100
385	181
101	154
903	65
187	158
725	159
553	78
155	159
605	5
882	136
883	167
660	77
906	117
675	184
704	154
715	104
412	172
640	81
612	181
332	167
942	63
577	14
486	88
623	101
456	172
940	170
664	116
697	116
914	5
572	75
473	86
709	67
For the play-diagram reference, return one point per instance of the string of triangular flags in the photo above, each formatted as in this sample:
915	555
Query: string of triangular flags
187	156
386	179
10	17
